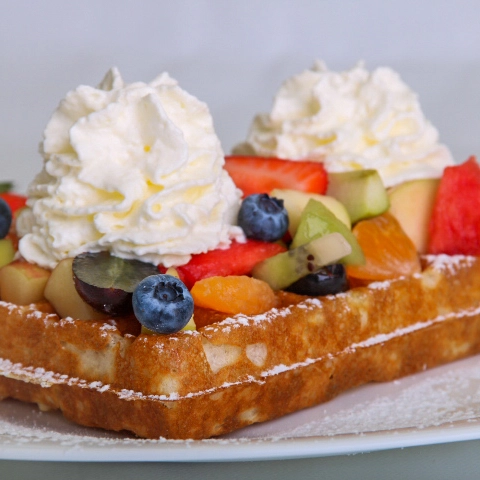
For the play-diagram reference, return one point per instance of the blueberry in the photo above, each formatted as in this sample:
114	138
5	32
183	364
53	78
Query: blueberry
329	280
162	303
5	218
263	217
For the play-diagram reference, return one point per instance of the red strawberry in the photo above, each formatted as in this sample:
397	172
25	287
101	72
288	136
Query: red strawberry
14	200
238	259
263	174
455	222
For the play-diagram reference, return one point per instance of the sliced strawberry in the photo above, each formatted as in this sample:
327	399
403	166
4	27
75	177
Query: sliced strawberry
238	259
14	200
263	174
455	222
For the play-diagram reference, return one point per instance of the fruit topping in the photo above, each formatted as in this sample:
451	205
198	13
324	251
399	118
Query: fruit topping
295	202
5	218
455	222
162	303
14	200
411	203
263	174
238	259
317	220
234	294
263	218
329	280
283	269
389	252
361	191
61	293
23	283
7	251
107	282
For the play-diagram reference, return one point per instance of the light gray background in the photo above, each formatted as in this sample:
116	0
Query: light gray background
234	55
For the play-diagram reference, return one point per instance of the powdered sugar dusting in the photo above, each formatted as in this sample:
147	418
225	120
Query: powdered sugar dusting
47	379
439	399
449	263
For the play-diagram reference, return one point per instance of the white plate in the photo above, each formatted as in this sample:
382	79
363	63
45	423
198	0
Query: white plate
432	407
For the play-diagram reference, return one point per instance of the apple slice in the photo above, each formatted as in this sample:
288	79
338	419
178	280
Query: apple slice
361	191
411	203
60	291
295	201
23	283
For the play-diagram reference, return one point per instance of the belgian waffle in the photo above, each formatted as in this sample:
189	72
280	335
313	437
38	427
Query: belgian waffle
241	369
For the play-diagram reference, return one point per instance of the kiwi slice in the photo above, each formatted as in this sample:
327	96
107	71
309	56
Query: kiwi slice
107	282
317	220
285	268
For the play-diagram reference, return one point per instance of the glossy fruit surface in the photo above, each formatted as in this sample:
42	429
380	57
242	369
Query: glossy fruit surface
295	202
234	294
411	203
455	221
263	217
238	259
5	218
107	282
162	303
361	191
317	220
329	280
389	252
283	269
263	174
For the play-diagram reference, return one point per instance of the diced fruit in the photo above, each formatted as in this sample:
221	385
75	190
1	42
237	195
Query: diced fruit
296	201
455	222
316	221
191	325
329	280
411	203
361	191
23	283
234	294
162	303
286	268
60	291
263	218
7	251
107	282
5	218
14	200
263	174
388	250
238	259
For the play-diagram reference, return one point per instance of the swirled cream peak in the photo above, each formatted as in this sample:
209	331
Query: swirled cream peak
350	120
134	169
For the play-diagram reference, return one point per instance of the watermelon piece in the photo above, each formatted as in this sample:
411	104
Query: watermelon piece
263	174
238	259
455	222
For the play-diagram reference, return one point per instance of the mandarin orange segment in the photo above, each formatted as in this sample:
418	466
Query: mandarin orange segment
234	294
389	252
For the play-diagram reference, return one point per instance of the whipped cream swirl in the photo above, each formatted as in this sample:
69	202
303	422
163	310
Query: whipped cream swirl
134	169
350	120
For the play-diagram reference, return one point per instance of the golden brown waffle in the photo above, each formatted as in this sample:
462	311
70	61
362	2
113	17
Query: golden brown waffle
244	369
